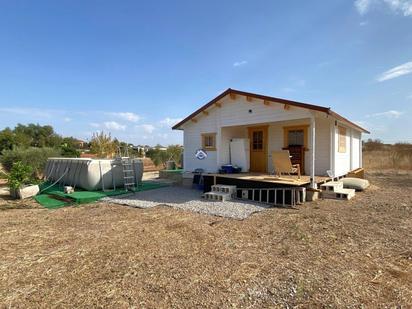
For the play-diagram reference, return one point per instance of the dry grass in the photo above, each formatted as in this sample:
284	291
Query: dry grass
389	157
328	253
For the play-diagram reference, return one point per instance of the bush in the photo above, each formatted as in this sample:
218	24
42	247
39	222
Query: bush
20	174
69	152
36	158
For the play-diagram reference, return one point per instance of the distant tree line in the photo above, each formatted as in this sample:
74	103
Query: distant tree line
35	135
32	144
377	144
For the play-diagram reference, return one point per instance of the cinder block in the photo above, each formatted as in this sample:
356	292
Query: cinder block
341	194
245	194
331	186
224	189
217	196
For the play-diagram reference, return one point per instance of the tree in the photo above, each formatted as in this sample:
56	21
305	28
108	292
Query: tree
36	135
102	145
6	139
174	153
160	156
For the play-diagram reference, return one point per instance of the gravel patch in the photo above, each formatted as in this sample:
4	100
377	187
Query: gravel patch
188	199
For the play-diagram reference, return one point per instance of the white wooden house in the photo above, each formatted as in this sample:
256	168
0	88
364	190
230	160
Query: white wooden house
331	144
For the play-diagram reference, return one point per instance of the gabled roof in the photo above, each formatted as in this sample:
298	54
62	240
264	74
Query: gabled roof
319	108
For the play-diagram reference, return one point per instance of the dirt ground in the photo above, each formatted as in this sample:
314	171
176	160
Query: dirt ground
323	254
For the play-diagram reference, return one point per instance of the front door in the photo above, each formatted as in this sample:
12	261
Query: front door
258	137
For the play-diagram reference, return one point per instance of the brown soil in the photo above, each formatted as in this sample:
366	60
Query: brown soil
322	254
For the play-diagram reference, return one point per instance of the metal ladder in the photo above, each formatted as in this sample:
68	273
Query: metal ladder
128	174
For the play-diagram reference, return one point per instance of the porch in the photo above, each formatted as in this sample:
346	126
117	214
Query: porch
260	180
297	136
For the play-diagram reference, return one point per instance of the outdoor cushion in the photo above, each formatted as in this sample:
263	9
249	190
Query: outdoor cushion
355	183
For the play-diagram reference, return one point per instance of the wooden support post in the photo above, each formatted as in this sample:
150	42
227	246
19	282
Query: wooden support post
286	107
249	99
194	120
233	96
267	103
206	113
218	104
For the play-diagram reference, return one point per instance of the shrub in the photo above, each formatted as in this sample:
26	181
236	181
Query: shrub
160	157
20	174
102	145
36	158
69	152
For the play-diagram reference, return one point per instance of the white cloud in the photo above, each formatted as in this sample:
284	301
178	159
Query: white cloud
239	63
409	97
169	121
146	128
113	125
395	72
94	124
67	119
392	114
129	116
363	23
401	6
397	6
34	112
363	6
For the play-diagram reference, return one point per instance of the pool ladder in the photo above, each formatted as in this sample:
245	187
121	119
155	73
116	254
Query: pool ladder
128	174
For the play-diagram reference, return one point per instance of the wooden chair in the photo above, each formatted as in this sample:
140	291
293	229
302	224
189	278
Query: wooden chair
282	163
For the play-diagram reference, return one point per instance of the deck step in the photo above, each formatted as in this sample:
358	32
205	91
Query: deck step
339	194
331	186
217	196
224	189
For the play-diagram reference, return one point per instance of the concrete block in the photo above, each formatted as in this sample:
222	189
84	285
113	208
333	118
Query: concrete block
224	189
341	194
331	186
217	196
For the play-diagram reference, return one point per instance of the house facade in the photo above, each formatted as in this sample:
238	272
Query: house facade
324	141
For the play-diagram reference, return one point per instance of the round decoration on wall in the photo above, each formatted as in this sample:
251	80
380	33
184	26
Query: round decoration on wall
201	154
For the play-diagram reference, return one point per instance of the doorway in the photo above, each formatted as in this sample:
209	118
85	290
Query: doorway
258	137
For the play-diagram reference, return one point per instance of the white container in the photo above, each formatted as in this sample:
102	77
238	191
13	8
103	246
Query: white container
240	153
90	174
28	191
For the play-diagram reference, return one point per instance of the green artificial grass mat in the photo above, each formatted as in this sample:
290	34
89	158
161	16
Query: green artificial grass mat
50	203
54	197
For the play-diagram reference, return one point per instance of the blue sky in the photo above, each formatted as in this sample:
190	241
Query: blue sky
133	68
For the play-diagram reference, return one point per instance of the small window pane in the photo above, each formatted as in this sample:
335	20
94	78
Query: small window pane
209	141
257	140
296	138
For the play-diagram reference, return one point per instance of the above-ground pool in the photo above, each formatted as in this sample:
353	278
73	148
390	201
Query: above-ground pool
91	174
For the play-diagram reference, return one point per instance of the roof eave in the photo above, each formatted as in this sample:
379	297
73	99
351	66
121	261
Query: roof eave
326	110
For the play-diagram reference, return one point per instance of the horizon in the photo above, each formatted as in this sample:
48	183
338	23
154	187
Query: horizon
136	69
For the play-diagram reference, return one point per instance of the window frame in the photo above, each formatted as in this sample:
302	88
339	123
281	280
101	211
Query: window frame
303	127
342	139
208	135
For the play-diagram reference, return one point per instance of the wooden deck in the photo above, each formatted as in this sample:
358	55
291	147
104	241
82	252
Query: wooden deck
291	180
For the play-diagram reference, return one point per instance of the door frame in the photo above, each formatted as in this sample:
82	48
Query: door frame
264	128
